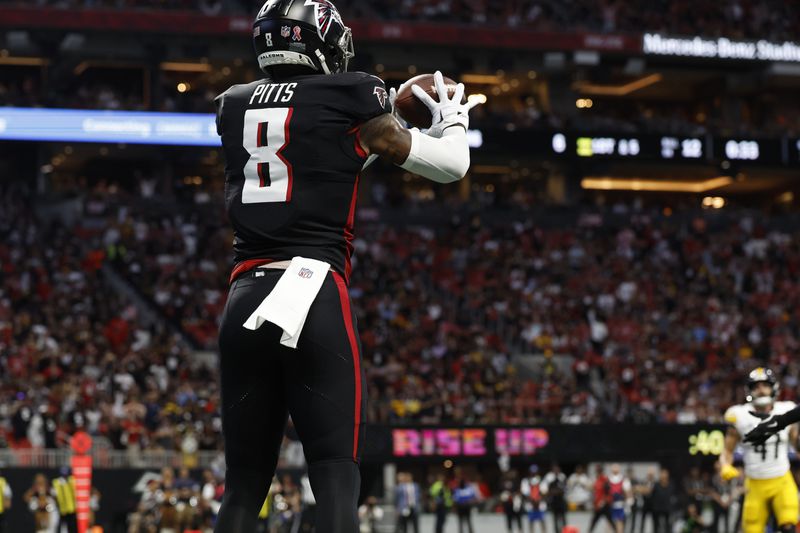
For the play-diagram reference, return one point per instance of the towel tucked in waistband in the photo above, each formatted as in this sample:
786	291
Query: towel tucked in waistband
288	304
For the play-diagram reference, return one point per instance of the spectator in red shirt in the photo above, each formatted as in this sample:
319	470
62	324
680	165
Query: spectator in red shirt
602	499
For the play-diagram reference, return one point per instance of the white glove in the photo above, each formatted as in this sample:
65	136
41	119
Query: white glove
393	95
446	112
392	98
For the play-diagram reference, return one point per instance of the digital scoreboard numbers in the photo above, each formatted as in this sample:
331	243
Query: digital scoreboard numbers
682	148
607	146
627	147
742	150
707	442
599	146
750	151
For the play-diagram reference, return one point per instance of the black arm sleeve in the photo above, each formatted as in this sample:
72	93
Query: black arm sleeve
790	417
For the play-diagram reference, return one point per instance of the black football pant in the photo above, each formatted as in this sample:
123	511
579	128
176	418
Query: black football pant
602	512
70	521
559	518
661	522
320	384
513	517
441	517
406	523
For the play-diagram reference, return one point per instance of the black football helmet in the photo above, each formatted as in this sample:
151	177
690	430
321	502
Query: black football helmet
762	375
309	33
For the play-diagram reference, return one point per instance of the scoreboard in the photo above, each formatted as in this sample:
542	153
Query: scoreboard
649	147
744	150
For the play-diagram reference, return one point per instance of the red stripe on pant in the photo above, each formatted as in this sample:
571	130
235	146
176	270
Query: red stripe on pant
344	298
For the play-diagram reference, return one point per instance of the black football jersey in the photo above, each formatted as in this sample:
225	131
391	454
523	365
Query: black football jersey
293	160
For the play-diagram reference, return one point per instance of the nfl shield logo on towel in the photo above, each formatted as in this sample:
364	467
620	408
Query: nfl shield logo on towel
305	273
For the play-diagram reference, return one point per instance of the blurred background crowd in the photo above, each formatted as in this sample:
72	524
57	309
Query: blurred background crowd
650	497
653	319
754	19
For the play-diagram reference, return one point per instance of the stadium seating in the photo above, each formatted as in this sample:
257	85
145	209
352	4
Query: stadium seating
443	315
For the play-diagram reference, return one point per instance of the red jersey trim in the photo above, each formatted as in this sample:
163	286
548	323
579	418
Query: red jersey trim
285	161
246	266
348	231
360	149
344	299
360	152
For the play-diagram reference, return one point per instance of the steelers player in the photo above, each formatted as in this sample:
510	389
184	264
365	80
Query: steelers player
769	484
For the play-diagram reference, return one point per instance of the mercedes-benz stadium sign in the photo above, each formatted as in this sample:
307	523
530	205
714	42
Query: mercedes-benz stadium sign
721	48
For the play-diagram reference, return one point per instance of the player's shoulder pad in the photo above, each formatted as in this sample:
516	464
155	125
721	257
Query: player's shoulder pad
233	98
783	407
362	96
355	78
733	413
242	90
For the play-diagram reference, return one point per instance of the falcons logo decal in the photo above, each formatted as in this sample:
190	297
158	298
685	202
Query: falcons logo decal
324	13
381	95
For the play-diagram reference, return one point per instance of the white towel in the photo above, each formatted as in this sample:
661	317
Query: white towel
288	304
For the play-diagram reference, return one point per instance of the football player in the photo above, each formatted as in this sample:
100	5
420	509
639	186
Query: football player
295	143
769	484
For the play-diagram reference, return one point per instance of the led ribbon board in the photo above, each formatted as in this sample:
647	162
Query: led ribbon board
72	125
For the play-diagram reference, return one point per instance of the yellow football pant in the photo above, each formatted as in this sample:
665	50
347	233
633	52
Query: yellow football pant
760	494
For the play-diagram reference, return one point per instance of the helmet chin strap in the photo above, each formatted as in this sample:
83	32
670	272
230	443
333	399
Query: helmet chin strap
322	62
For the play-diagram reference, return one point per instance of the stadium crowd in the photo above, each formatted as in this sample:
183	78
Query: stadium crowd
653	319
74	354
649	320
189	500
757	19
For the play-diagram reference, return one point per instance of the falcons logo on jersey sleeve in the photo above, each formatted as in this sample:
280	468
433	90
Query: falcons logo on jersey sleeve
324	13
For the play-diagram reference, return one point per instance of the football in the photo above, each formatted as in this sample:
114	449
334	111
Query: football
411	109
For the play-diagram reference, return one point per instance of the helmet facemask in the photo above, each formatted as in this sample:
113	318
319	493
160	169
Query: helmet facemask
346	48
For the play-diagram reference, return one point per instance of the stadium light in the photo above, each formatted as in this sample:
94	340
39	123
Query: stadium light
713	202
618	90
478	97
23	61
486	79
641	184
185	67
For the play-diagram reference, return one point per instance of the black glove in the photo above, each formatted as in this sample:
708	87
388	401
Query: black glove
762	432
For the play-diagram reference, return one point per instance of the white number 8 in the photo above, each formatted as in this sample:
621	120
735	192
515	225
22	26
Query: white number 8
267	174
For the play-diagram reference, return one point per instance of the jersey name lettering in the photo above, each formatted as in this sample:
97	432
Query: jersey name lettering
266	93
